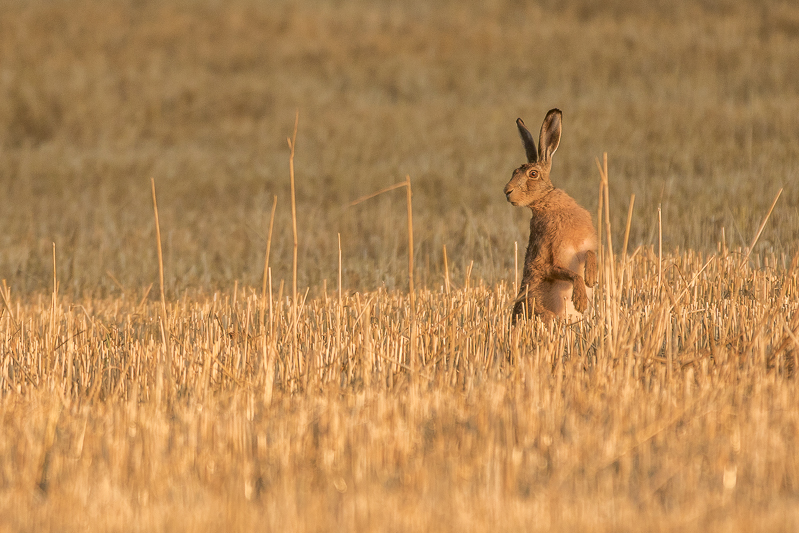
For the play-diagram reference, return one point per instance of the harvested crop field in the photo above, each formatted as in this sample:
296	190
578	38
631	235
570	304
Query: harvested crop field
361	391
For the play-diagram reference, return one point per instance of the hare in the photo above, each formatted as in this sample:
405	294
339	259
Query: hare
562	236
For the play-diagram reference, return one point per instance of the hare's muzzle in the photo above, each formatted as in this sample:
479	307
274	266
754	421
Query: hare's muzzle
508	191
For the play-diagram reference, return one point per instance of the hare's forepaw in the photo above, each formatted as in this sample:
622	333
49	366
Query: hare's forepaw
579	296
590	268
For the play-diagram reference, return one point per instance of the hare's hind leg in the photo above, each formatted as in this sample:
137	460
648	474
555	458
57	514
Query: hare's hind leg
579	296
524	308
590	268
528	305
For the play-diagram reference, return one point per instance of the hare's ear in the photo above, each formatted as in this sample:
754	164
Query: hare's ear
527	139
550	135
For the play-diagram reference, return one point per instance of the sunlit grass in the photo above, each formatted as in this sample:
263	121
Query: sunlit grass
670	407
673	409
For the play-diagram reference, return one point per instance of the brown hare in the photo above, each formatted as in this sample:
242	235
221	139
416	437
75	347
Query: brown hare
562	236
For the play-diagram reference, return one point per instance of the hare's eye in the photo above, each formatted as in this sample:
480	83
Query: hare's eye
533	174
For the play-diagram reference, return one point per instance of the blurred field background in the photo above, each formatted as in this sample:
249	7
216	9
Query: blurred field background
696	105
685	394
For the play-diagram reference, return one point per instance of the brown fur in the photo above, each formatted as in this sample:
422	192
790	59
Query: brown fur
562	236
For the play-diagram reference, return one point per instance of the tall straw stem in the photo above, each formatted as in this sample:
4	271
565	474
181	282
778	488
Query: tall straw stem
410	276
601	202
515	269
446	271
412	297
266	263
603	171
167	370
608	260
292	143
340	304
52	336
626	240
6	295
627	228
760	230
268	358
660	248
410	242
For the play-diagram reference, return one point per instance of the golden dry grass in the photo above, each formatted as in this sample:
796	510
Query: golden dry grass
672	407
670	412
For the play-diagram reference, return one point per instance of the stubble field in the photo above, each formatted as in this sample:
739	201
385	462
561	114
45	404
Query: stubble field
356	403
